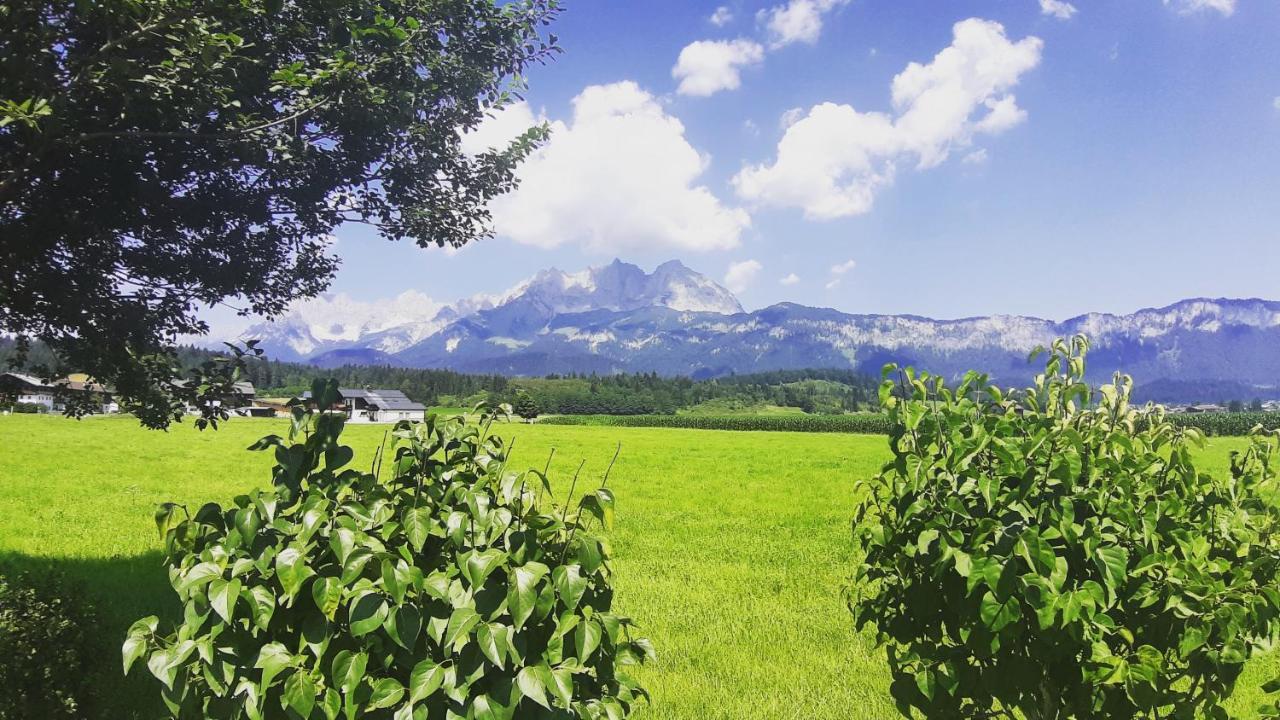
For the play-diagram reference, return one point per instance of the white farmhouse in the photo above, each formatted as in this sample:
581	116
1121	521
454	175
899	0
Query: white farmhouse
29	390
375	405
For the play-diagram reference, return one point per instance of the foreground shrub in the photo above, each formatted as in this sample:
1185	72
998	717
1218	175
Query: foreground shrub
45	646
1045	556
451	589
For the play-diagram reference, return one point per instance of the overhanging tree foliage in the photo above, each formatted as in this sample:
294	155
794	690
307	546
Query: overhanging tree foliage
161	155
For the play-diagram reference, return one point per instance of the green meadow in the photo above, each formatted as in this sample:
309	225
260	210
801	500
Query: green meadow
732	548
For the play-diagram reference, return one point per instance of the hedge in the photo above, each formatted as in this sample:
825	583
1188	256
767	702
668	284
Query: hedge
1237	424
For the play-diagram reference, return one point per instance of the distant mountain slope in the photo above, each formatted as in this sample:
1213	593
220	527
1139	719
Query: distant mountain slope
677	322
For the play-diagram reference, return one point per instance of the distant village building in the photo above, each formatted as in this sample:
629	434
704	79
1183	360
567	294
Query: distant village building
26	389
376	405
241	396
1206	408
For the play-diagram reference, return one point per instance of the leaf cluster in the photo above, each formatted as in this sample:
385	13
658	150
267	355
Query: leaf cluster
441	586
1057	553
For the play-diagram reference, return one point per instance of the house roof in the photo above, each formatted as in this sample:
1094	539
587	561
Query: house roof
381	399
393	400
26	379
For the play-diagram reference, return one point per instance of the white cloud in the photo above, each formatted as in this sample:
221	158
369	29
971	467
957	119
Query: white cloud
722	16
1186	7
832	162
620	174
790	279
706	67
1057	8
843	268
500	128
1276	103
975	157
741	274
835	283
796	21
790	117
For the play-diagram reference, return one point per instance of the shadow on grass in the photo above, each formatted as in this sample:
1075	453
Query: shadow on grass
121	590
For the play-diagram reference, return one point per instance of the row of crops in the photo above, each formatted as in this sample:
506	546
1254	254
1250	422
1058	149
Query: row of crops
1228	423
874	423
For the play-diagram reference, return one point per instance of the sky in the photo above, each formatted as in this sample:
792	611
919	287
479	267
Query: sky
946	159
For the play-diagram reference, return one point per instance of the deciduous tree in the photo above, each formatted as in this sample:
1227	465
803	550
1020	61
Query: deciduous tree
158	156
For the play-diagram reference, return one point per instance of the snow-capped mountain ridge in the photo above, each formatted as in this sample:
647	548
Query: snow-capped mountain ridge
675	321
337	321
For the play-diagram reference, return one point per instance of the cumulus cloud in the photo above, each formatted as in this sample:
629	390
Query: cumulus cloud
833	161
722	16
789	279
619	174
1057	8
740	275
796	21
706	67
1187	7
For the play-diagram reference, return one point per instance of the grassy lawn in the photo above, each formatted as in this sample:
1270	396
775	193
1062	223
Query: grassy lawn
733	547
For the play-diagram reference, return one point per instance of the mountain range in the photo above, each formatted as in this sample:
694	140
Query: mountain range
675	321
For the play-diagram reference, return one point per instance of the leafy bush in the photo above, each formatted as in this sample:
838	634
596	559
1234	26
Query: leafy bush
855	423
453	588
45	648
29	408
1052	558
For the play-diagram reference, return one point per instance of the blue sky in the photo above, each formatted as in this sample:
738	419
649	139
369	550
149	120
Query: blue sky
1038	160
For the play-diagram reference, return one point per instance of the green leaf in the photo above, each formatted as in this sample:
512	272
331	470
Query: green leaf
586	638
386	692
530	680
425	680
223	596
403	625
476	566
391	583
569	584
273	658
494	640
460	623
997	615
417	527
292	570
522	591
135	645
327	594
299	694
367	611
262	603
560	682
348	670
1113	562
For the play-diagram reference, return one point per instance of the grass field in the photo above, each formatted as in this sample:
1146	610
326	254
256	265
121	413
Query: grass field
733	547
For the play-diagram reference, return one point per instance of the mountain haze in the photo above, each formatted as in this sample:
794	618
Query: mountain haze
618	318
